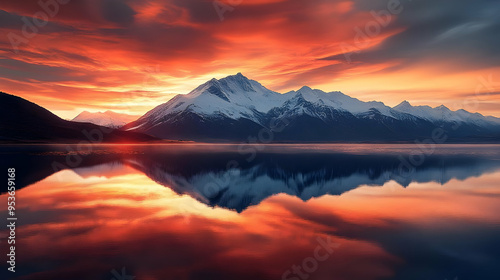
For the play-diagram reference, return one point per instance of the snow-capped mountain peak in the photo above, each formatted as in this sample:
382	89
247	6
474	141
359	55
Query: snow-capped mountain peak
339	101
107	118
405	105
233	96
442	108
238	104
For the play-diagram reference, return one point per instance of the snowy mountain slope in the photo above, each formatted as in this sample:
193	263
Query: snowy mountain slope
443	114
233	97
235	107
339	101
108	118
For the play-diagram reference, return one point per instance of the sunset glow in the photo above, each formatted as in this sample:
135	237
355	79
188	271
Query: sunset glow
129	56
120	210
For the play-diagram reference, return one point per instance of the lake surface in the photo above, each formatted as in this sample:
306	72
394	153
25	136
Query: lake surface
199	211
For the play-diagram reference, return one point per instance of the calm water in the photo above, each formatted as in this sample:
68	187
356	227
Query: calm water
285	212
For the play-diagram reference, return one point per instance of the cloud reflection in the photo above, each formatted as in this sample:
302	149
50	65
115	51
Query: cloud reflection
82	223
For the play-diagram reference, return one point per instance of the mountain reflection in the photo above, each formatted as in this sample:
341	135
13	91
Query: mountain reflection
105	213
227	178
302	175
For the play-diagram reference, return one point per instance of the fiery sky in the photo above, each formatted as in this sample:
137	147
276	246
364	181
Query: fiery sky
131	55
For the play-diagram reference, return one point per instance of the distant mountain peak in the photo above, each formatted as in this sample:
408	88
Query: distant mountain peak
22	121
305	88
403	105
442	107
107	118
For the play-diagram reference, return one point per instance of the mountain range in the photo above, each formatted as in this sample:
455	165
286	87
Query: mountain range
236	108
108	118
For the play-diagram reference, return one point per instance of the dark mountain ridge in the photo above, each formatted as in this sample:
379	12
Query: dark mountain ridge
22	121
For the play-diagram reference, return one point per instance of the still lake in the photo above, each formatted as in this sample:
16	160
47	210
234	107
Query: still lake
202	211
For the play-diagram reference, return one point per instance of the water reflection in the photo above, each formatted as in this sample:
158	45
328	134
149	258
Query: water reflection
222	176
128	209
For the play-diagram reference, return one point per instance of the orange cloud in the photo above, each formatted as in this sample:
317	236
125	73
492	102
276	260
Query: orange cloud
92	53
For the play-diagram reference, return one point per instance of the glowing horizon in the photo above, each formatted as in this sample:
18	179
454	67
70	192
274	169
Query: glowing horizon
130	56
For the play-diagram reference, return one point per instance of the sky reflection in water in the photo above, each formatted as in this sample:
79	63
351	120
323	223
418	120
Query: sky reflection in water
150	212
